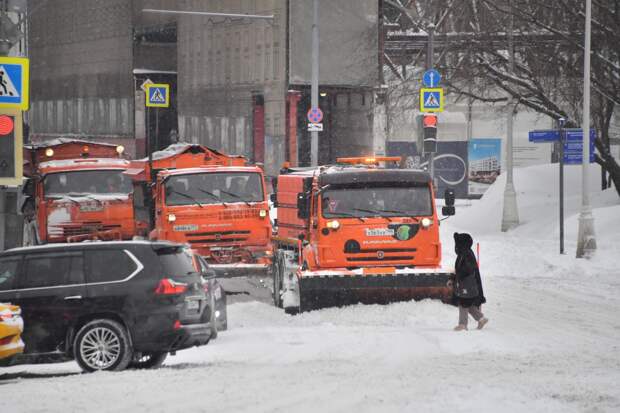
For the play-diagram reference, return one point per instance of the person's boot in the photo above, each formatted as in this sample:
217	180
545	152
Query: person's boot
483	321
460	327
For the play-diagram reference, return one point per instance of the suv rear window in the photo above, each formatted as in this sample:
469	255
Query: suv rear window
176	261
48	270
108	265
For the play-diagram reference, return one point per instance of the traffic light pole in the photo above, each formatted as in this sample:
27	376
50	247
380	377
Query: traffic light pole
314	88
429	66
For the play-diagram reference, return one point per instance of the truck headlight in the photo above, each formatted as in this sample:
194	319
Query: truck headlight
426	222
49	152
120	149
172	217
335	224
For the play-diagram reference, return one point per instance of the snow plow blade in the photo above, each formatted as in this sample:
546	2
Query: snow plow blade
240	270
328	290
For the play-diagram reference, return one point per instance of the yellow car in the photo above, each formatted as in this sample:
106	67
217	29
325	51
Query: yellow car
11	328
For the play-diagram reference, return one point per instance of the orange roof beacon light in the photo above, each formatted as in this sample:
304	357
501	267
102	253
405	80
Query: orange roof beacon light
370	160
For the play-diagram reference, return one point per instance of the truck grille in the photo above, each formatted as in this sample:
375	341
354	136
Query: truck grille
87	228
214	238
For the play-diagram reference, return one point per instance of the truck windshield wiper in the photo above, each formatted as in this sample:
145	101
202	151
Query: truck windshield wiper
188	196
211	194
374	211
348	214
235	196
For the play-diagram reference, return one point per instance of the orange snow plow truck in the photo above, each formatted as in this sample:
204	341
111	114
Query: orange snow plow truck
214	202
76	190
357	232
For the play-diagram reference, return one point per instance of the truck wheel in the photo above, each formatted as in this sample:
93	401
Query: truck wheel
102	344
148	360
278	273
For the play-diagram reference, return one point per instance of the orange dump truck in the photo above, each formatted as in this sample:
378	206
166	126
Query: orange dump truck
76	190
356	232
214	202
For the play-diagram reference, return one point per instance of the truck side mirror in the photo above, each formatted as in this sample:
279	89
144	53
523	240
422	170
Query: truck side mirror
303	206
274	199
449	197
28	187
448	209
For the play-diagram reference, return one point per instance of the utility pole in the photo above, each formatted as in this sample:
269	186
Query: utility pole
510	215
429	65
586	241
314	88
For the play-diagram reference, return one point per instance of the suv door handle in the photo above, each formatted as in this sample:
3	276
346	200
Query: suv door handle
74	297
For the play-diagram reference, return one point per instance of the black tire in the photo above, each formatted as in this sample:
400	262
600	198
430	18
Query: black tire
277	271
213	319
148	360
102	344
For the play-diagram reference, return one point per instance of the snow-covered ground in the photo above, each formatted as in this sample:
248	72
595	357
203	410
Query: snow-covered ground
553	342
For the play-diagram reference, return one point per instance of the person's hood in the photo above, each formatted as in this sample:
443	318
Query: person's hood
462	242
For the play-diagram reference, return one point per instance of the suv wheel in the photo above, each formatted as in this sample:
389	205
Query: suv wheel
148	360
102	345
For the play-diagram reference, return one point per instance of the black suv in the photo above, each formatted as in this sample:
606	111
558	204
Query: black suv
109	305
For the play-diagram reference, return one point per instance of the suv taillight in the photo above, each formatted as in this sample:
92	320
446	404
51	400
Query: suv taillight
168	286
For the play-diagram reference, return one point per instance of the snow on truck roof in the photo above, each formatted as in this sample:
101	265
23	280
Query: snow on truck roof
63	141
358	174
84	163
213	168
180	148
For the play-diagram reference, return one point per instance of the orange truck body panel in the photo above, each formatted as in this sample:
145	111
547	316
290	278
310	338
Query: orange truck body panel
85	215
234	237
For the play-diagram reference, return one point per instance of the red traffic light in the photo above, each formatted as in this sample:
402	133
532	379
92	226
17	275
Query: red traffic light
429	121
6	125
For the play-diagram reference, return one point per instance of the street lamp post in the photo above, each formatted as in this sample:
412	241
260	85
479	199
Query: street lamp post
586	239
510	215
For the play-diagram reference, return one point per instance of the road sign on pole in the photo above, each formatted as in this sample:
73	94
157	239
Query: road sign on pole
14	83
315	127
431	78
315	115
431	99
158	95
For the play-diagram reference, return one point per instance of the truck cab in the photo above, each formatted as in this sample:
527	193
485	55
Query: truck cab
76	190
212	202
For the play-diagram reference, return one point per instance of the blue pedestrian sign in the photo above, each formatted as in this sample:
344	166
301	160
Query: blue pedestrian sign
431	78
158	95
14	83
431	99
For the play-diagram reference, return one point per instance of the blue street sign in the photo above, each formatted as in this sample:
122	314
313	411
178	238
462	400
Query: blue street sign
158	95
545	135
14	82
573	146
431	78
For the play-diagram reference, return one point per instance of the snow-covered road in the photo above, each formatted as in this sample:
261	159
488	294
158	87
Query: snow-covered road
547	348
552	345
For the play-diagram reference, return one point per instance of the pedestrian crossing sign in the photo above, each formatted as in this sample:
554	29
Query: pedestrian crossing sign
431	99
158	95
14	87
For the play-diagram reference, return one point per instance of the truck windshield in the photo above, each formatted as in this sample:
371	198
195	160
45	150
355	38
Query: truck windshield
214	188
106	181
385	201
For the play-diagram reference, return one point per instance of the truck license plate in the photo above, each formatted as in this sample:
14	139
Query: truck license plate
184	228
379	232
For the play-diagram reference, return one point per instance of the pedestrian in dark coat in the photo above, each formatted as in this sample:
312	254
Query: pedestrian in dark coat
468	293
